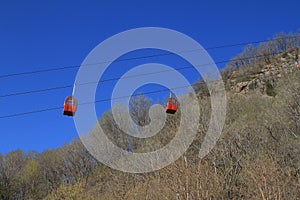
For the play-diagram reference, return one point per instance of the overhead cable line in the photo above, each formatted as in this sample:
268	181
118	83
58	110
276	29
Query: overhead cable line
136	58
109	99
125	77
67	86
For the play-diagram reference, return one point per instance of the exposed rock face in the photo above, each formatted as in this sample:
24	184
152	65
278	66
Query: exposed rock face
263	79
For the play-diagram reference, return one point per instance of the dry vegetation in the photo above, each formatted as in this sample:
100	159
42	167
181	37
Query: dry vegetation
257	156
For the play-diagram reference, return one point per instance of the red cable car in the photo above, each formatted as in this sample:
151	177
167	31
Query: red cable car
172	105
70	106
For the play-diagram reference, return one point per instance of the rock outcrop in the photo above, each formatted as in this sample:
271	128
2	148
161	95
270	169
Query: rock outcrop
263	80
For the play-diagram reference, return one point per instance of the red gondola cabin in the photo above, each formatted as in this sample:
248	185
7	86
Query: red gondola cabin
172	105
70	106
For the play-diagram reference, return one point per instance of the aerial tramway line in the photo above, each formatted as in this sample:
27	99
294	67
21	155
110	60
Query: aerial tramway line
71	104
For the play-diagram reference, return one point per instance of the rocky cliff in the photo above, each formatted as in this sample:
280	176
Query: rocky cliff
264	79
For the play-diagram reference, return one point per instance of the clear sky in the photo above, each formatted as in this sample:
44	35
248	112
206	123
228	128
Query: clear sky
36	35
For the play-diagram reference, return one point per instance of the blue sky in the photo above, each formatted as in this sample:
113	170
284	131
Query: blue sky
37	35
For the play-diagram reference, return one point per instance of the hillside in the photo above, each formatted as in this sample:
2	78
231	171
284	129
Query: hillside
257	156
